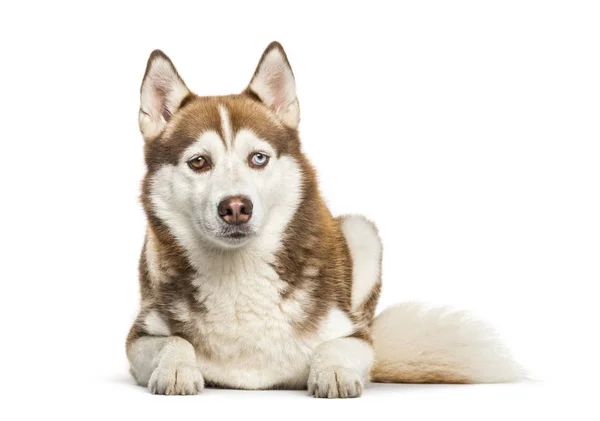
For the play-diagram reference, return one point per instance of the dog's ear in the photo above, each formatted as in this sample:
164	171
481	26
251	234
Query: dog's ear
273	83
161	94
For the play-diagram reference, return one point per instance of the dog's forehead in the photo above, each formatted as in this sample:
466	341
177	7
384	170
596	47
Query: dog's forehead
225	115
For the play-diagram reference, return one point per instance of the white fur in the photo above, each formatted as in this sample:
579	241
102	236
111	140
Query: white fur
249	321
181	311
310	271
340	368
226	125
294	306
365	249
275	85
155	325
166	365
144	356
411	339
187	201
181	379
162	91
336	325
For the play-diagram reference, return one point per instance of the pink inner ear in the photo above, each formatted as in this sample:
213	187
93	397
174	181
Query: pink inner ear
159	98
274	77
277	88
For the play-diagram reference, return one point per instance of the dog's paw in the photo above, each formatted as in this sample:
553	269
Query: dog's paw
182	379
334	382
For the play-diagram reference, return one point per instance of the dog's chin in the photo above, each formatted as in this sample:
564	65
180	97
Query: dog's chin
233	238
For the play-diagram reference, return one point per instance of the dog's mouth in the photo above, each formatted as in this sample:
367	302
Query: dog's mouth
235	235
228	236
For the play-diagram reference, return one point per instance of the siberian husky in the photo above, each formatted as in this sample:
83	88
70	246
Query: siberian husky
247	281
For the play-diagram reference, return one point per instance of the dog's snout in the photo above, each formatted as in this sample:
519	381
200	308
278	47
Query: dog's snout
235	210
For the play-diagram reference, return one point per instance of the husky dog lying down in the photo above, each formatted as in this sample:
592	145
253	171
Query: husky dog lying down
247	280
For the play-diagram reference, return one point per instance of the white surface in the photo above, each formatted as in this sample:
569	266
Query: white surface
467	131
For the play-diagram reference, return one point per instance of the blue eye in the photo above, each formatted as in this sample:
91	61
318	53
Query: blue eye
258	160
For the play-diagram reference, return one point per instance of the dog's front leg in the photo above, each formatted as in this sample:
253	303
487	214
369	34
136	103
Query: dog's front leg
340	368
166	364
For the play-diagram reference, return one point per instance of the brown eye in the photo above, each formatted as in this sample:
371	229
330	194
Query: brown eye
199	163
258	160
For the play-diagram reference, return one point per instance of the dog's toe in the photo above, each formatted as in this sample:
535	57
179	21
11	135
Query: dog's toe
335	382
182	379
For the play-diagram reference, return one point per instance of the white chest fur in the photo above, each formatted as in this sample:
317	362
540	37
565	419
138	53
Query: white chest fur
248	330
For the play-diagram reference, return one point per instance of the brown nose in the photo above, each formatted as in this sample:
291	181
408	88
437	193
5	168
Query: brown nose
235	210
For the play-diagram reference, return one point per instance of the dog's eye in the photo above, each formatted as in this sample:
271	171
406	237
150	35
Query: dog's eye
258	160
199	163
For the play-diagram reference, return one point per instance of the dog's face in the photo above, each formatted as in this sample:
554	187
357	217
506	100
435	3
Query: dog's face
221	169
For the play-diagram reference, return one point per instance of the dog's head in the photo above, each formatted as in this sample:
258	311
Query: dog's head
221	170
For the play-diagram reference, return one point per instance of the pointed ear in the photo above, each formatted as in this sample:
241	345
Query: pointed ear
273	83
162	92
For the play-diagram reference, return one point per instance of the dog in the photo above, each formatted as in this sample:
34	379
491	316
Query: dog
247	281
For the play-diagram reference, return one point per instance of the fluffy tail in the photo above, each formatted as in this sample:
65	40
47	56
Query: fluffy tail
418	345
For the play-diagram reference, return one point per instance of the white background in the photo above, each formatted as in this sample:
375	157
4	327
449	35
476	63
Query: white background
469	131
